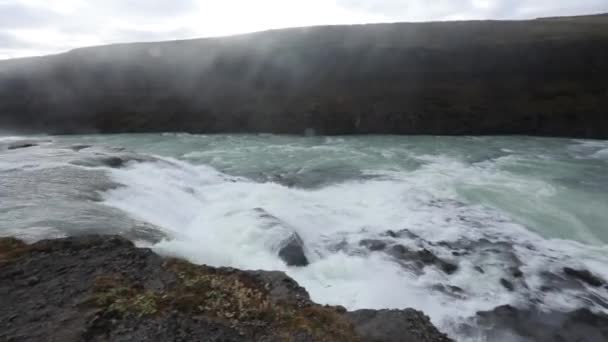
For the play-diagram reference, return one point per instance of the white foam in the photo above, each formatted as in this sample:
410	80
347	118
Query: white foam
208	216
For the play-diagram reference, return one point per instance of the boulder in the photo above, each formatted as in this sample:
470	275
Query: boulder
292	252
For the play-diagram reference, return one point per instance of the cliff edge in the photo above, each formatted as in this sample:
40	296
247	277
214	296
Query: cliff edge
95	288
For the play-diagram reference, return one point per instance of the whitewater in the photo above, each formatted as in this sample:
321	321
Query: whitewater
489	205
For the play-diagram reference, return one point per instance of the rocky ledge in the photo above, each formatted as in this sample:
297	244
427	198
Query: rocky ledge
97	288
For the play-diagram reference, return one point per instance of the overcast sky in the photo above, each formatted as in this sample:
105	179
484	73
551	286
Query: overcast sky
36	27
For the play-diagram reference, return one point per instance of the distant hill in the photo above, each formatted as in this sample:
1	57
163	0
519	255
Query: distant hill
538	77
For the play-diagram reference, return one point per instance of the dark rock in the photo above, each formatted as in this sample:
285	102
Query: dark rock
391	233
407	234
19	145
507	284
291	248
373	245
107	161
94	288
421	258
450	290
546	288
114	162
584	276
516	272
514	324
395	326
77	148
447	267
479	269
31	281
292	252
455	289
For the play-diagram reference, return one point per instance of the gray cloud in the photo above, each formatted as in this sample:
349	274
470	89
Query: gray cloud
16	15
486	9
42	26
8	41
151	7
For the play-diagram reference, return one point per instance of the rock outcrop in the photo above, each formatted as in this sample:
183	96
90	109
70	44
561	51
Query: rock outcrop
96	288
537	77
506	323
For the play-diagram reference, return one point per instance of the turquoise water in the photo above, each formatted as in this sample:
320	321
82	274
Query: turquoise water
491	203
556	187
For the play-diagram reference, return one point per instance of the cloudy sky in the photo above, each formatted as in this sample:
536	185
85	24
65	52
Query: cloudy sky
35	27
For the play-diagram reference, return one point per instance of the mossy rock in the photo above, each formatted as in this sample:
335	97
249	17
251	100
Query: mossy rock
234	298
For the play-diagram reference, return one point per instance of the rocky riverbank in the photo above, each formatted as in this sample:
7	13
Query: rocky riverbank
98	288
535	77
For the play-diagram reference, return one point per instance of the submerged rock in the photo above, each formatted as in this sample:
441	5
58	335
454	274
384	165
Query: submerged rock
78	148
21	144
584	276
507	284
373	245
96	288
422	258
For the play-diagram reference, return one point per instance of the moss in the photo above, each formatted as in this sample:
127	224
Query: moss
114	294
11	248
231	297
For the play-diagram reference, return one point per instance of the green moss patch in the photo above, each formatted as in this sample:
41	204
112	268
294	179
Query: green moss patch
231	297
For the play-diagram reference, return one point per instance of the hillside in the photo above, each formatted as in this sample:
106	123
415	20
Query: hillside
537	77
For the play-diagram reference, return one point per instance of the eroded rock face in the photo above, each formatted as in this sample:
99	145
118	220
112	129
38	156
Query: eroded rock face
95	288
537	77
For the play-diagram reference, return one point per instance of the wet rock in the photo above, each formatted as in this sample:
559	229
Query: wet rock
292	252
516	272
395	326
584	276
559	281
20	145
422	258
450	290
107	161
290	247
507	284
373	245
507	323
391	233
78	148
